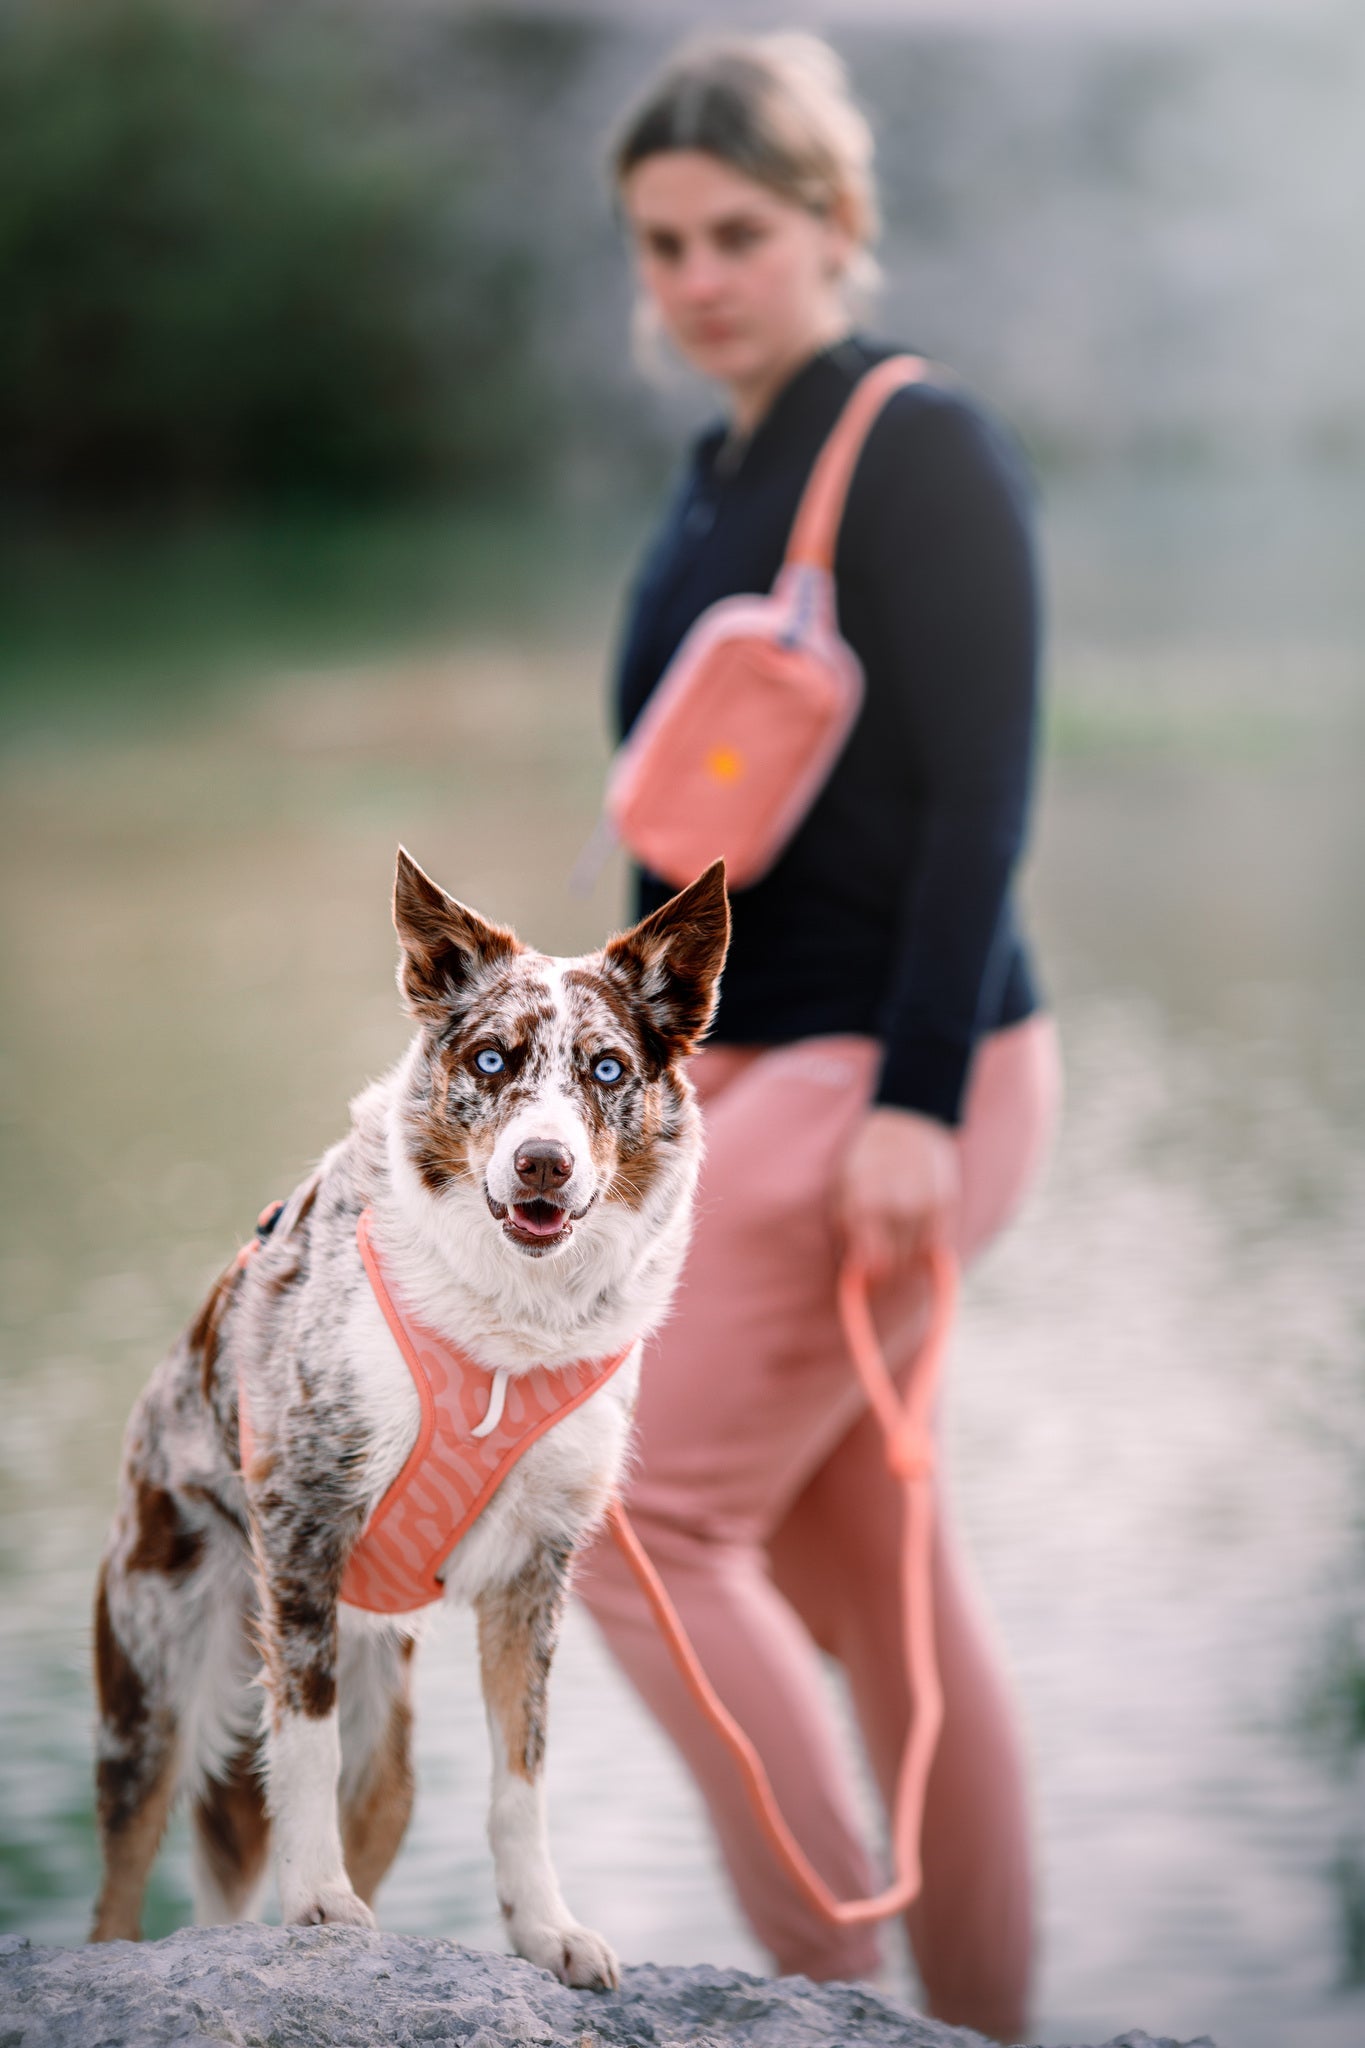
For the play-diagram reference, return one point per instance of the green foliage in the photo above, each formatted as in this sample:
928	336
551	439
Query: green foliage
227	274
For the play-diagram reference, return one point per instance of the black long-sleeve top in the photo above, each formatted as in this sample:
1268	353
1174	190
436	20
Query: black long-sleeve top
889	913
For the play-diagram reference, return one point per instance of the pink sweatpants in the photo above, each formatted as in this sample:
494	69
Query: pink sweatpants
762	1496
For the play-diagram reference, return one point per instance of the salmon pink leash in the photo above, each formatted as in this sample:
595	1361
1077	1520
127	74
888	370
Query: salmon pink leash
910	1456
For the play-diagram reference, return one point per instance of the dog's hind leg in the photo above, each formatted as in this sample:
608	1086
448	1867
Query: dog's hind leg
172	1673
518	1628
135	1774
377	1784
231	1842
221	1747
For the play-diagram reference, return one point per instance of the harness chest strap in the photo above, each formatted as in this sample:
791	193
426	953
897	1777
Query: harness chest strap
474	1425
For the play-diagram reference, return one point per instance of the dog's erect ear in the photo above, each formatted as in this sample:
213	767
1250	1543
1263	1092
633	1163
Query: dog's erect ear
670	963
445	946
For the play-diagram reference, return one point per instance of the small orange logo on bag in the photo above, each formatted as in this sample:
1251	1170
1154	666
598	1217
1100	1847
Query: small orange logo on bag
724	764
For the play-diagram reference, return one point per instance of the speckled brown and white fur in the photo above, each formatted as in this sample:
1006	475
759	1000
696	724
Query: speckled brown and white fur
535	1214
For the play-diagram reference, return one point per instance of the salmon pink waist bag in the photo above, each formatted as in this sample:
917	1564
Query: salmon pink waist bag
750	715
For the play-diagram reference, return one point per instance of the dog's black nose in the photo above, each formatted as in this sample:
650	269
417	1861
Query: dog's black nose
543	1164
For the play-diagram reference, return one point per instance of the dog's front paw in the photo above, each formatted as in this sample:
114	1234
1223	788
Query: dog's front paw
332	1905
576	1955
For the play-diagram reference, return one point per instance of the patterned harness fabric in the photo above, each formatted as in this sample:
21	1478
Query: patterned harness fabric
475	1424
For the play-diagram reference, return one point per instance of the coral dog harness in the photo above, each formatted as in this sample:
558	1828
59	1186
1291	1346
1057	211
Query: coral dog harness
475	1424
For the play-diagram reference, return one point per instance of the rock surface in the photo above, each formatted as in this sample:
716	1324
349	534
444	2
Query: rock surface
325	1987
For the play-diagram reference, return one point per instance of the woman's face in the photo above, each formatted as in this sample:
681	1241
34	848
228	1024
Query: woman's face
745	282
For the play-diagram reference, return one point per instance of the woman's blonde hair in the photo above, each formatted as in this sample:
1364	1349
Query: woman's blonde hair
779	109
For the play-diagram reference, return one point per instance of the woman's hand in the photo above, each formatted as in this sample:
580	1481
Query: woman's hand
897	1191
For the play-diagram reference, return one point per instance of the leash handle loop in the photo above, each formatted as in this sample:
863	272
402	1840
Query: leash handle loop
909	1451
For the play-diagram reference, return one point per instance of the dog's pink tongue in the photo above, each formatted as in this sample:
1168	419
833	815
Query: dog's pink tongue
544	1222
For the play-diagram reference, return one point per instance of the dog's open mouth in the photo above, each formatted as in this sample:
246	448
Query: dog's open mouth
537	1225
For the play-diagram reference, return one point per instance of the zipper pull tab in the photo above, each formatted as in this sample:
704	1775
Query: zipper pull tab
497	1396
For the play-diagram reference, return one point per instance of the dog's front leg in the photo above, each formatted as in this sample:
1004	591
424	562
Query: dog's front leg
302	1540
518	1628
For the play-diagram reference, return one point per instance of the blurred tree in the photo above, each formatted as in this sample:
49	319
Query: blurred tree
226	274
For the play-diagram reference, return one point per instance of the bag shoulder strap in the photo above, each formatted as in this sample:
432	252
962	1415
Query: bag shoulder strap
816	525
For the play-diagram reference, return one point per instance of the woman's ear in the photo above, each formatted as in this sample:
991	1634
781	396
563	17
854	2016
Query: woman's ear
841	241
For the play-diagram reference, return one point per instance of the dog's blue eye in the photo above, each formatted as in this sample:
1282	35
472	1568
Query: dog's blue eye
488	1061
607	1070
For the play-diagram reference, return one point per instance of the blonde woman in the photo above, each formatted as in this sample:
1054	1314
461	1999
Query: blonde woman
881	1072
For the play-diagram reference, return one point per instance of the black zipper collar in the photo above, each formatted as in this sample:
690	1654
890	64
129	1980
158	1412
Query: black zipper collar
838	365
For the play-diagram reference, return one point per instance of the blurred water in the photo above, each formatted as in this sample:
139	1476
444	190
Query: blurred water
1157	1427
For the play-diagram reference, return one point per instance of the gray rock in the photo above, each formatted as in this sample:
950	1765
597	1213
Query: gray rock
340	1987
